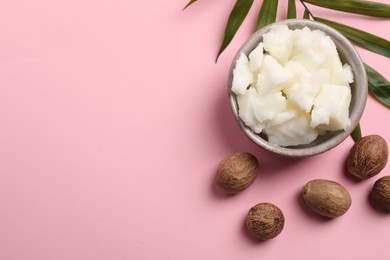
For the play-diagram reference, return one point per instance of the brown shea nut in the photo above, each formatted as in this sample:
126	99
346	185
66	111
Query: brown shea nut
237	172
265	221
327	198
367	157
381	192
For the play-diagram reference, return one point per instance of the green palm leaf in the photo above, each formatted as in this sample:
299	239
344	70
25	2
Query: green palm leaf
237	16
267	13
291	10
355	6
189	3
378	86
306	14
369	41
356	133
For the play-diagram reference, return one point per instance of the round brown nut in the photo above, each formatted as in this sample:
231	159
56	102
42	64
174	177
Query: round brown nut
327	198
381	192
265	221
237	172
367	157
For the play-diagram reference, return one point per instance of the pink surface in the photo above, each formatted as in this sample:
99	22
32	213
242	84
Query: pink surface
114	118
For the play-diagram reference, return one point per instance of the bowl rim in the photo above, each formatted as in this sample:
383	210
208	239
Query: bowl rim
360	90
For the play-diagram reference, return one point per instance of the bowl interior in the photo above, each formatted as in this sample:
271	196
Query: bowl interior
347	54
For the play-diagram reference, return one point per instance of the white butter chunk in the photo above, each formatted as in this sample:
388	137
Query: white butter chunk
267	107
246	112
256	58
294	131
271	76
275	43
242	75
331	108
339	74
303	93
348	73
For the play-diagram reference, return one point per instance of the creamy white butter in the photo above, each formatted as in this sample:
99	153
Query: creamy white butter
293	86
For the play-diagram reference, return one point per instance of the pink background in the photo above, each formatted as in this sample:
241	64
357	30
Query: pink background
114	118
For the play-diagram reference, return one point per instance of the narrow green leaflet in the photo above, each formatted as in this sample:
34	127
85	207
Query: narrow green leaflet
291	10
378	86
306	14
237	16
267	13
189	3
356	133
369	41
362	7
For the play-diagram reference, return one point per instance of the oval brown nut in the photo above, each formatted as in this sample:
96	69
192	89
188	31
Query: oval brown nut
327	198
381	192
265	221
237	172
367	157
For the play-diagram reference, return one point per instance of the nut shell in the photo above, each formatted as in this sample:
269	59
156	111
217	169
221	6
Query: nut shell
381	192
265	221
327	198
237	172
367	157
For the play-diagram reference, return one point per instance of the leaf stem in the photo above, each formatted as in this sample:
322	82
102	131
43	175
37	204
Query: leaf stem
306	8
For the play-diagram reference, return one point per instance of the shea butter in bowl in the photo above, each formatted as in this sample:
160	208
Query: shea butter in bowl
297	88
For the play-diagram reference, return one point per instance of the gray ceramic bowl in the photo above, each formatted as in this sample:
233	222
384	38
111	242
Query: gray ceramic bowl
323	143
